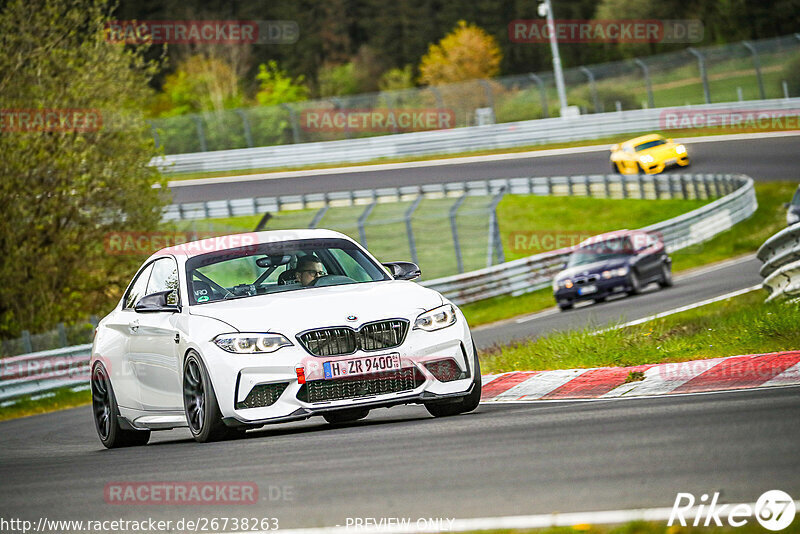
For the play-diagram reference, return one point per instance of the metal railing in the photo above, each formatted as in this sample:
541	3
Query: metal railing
781	257
39	372
536	272
697	76
456	140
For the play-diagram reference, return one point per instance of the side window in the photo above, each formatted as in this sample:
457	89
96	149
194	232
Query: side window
164	277
137	289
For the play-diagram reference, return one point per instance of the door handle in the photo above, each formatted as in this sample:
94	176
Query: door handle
134	326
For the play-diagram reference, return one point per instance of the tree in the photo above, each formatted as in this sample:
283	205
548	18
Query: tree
277	87
64	189
466	53
396	79
200	83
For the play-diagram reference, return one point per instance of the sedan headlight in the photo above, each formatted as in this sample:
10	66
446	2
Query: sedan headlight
621	271
249	343
564	282
437	318
680	149
647	159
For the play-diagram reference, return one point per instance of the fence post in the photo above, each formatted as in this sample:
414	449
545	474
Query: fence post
641	187
647	84
362	220
156	138
607	185
701	63
592	88
542	92
454	229
656	188
248	136
495	244
293	120
318	216
437	95
684	187
27	346
62	335
200	135
412	245
757	66
489	98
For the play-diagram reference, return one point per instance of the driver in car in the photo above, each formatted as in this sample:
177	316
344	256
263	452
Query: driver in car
309	268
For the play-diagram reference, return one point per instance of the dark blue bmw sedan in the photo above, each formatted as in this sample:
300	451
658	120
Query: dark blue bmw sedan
622	262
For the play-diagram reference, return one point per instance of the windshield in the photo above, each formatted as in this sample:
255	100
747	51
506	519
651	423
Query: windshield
650	144
278	267
612	249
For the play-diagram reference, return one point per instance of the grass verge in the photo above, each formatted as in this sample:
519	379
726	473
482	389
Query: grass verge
740	325
59	399
743	238
610	140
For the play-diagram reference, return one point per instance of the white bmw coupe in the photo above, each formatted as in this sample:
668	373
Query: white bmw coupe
236	332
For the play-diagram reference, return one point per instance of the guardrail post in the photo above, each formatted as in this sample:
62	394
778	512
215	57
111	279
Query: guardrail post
757	66
707	184
623	181
701	63
200	135
607	185
656	187
684	187
549	186
248	135
180	212
542	93
318	217
592	88
412	245
454	229
696	187
587	185
569	185
362	220
27	346
293	121
495	244
641	186
647	84
717	187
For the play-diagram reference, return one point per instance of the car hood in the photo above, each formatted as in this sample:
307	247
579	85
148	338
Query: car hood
295	311
659	152
591	268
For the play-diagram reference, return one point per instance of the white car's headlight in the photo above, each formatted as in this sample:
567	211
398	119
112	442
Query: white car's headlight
647	159
249	343
680	149
437	318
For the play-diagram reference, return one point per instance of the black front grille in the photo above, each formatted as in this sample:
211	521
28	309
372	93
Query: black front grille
342	340
445	370
361	386
587	279
263	395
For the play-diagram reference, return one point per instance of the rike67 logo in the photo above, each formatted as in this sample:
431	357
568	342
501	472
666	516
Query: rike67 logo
774	510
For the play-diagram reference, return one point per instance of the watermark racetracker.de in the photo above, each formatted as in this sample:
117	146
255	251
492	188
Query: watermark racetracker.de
538	31
772	119
229	32
50	120
175	242
377	120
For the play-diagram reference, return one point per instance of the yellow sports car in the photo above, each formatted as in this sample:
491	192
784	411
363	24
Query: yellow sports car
648	154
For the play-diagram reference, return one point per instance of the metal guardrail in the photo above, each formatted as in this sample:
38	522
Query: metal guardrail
535	272
48	370
44	371
781	257
505	135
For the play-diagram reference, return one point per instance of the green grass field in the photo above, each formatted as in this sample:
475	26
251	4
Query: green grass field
741	325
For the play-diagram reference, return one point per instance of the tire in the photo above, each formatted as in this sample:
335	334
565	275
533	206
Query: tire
599	300
639	169
636	284
565	307
615	168
106	414
346	416
200	404
464	404
666	276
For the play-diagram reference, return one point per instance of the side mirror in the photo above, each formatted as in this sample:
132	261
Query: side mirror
163	301
614	148
786	205
403	270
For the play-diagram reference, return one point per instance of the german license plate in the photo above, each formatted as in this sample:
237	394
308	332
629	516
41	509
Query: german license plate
672	161
360	366
586	290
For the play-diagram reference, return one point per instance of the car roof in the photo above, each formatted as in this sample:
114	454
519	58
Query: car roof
643	139
224	242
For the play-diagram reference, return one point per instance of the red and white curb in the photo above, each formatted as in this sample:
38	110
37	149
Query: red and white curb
717	374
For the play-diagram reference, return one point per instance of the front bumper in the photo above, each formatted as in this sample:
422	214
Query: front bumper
657	167
602	288
271	379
